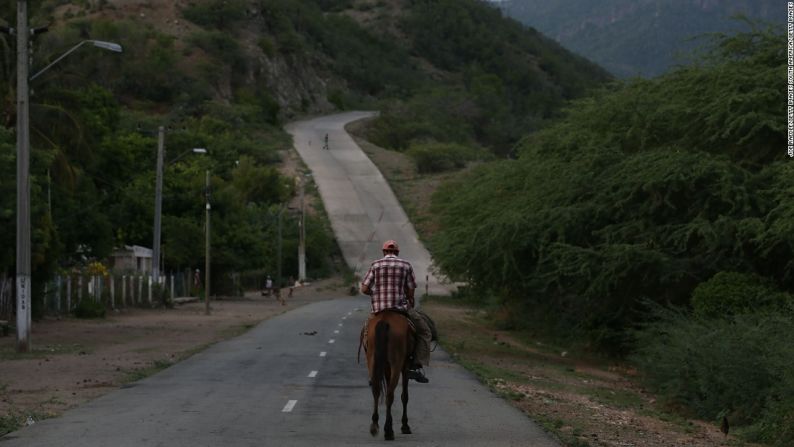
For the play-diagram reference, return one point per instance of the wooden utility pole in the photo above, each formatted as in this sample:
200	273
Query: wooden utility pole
302	238
278	254
158	205
207	251
24	283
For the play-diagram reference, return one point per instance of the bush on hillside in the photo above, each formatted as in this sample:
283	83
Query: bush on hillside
439	157
737	366
623	200
732	293
220	14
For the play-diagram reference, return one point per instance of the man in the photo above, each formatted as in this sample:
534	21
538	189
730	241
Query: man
390	282
268	286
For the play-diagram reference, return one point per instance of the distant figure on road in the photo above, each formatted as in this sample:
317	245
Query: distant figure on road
197	281
325	146
390	282
268	286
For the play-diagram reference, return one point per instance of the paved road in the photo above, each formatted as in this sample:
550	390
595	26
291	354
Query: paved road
237	393
293	380
361	206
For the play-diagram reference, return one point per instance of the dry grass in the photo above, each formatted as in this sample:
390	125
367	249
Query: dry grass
584	402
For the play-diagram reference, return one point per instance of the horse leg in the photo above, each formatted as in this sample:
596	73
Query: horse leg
373	427
388	431
405	428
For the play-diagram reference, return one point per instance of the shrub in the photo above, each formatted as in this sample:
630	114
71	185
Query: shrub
221	14
222	47
738	367
439	157
89	308
732	293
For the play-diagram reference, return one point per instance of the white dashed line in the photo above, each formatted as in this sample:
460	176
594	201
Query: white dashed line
331	340
322	354
336	332
313	374
290	405
340	324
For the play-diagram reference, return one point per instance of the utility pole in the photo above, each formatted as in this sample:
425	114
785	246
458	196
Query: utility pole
24	283
302	239
158	205
207	251
278	254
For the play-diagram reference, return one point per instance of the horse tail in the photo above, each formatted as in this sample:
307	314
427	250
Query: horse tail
381	357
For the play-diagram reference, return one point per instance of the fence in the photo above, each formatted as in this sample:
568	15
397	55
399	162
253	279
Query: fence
65	292
7	299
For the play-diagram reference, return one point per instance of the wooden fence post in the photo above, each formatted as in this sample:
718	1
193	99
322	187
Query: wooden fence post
58	284
69	294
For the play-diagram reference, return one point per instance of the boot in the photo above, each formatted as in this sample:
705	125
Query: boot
415	373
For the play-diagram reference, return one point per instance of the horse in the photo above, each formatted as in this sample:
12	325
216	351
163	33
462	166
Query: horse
389	344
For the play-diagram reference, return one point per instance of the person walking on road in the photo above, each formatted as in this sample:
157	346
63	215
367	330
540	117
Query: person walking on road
268	286
390	282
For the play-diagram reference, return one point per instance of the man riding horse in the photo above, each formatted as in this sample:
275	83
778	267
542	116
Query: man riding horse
390	282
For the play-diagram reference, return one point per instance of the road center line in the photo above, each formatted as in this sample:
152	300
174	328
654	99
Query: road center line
322	354
331	340
336	332
290	405
313	374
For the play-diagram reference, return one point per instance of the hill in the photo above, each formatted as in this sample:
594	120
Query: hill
224	75
651	221
638	37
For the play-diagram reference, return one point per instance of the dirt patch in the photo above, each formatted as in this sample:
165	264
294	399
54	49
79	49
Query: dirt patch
74	361
585	402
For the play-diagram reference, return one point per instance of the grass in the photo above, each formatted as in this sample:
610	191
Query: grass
137	374
568	395
9	352
11	422
14	419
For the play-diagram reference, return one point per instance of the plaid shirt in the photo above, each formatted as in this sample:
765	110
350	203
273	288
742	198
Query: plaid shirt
388	278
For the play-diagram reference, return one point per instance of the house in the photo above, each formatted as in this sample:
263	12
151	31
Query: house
132	259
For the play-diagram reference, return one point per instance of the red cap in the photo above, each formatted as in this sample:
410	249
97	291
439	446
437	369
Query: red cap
391	245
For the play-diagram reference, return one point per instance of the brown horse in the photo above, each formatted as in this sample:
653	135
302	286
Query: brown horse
389	343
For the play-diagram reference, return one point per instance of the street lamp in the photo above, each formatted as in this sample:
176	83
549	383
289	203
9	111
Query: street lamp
158	198
23	279
110	46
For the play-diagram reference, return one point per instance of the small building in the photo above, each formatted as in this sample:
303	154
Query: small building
132	259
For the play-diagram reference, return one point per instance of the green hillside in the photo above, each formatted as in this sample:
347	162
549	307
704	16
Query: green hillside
638	37
652	221
224	75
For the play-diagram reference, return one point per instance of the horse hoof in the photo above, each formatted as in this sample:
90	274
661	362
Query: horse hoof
406	430
373	429
389	436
